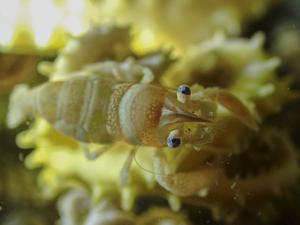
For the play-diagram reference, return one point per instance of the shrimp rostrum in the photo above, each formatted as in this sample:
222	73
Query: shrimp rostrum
95	106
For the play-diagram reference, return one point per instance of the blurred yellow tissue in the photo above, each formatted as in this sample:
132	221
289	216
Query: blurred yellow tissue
137	112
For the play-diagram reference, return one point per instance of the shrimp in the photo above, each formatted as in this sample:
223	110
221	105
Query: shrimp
103	105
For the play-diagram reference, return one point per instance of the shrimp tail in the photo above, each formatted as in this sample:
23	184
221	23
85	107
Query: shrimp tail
16	115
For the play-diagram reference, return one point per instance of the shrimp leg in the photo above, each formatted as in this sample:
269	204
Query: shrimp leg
93	154
128	71
182	183
232	104
124	174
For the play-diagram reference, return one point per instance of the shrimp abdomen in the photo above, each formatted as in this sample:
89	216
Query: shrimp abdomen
77	107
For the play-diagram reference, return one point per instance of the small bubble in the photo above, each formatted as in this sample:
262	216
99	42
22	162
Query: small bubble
233	185
203	192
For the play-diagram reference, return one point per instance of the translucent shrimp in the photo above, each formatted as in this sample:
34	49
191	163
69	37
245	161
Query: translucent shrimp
100	109
103	105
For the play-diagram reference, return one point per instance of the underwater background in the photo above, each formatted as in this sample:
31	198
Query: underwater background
249	48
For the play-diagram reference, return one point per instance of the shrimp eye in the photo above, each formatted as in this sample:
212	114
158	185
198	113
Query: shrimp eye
184	89
173	142
183	93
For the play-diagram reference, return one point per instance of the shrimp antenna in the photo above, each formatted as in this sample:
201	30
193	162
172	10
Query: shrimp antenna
143	168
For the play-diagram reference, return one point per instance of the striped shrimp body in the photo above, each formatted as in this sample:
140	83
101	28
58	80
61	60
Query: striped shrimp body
98	108
93	108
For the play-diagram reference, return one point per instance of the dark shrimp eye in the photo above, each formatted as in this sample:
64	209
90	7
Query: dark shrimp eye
184	89
173	142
